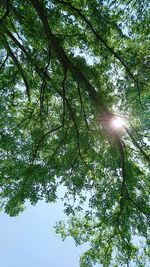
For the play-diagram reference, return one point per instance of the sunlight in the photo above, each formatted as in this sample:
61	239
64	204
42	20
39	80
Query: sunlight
117	123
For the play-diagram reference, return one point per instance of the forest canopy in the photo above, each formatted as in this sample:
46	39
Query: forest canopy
74	85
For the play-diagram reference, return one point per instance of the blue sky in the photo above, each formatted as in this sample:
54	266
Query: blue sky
28	240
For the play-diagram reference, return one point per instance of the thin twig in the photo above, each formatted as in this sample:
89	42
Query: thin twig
64	95
3	64
41	140
82	107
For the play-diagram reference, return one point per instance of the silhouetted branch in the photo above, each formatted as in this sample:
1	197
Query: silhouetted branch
64	59
19	67
42	138
42	88
122	166
127	245
41	72
6	12
99	37
137	145
60	143
82	106
136	205
64	95
77	134
3	64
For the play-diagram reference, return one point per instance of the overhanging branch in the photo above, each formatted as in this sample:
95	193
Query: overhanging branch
6	12
39	70
19	67
138	146
99	37
64	59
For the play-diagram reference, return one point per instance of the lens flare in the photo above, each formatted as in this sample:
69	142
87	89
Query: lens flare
117	123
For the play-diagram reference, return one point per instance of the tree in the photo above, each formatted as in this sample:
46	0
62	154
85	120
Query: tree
74	113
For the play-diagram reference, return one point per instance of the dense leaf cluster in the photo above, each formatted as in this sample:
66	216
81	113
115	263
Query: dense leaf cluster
68	68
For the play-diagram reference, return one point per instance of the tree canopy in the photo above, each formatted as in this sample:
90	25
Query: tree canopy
74	80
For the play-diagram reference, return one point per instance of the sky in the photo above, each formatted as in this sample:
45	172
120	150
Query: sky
29	239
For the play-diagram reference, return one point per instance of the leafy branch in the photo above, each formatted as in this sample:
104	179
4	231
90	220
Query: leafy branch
6	14
18	65
42	139
99	37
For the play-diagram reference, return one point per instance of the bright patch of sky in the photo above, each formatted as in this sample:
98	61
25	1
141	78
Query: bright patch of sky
89	58
29	239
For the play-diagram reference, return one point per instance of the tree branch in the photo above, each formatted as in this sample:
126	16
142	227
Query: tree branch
40	71
64	59
42	89
82	107
137	145
102	40
19	67
64	95
7	11
3	64
122	165
41	140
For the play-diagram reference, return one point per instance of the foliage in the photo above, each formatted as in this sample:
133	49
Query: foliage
68	68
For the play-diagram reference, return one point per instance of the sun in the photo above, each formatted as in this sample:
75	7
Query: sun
117	123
